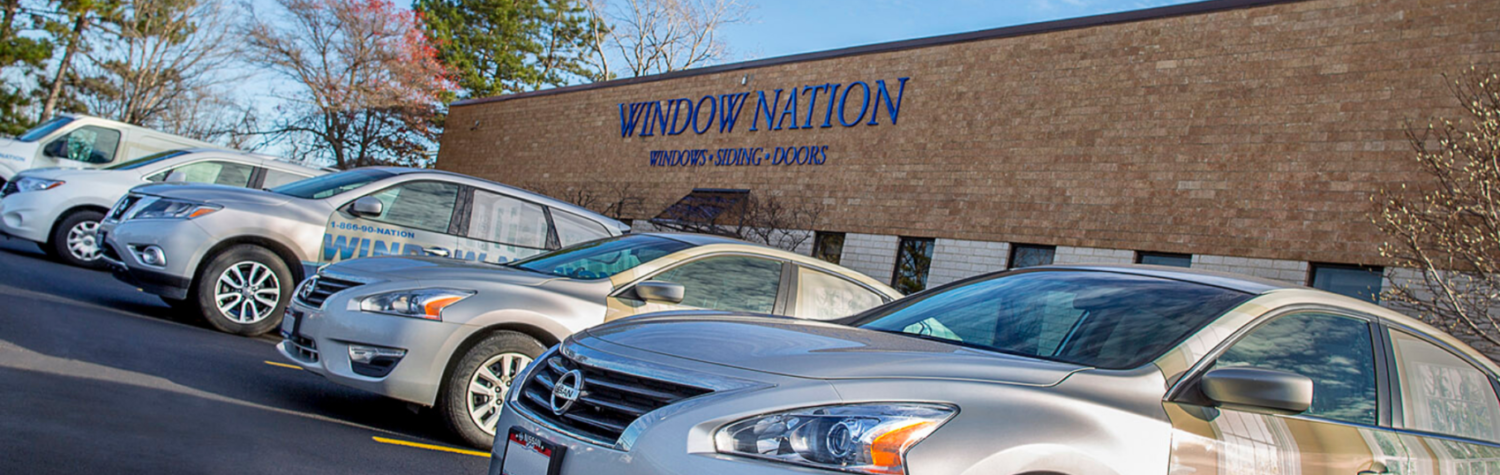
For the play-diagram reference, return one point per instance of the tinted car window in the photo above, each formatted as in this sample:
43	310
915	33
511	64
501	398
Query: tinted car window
735	283
1100	319
1335	352
91	144
1442	393
210	172
424	205
275	178
499	218
823	296
603	258
331	184
573	229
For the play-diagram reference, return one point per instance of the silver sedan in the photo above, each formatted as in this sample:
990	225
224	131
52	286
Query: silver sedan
1062	370
454	334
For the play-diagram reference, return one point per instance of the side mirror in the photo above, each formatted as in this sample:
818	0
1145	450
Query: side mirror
1258	390
57	148
657	291
367	206
176	177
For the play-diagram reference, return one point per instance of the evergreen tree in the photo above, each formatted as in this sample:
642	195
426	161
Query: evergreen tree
499	47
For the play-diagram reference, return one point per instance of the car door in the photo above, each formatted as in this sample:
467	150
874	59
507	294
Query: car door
732	282
1341	433
1448	408
502	228
417	217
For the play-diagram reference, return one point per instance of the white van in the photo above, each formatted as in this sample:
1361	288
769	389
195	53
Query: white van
80	141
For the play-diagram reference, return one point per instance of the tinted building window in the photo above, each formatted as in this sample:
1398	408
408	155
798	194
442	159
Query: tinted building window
1164	259
1027	255
1335	352
1442	393
734	283
1361	282
828	246
913	259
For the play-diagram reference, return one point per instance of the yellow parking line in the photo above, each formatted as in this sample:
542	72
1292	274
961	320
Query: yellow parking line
284	365
438	448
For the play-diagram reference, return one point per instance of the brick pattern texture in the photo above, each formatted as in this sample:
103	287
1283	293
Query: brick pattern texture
1257	132
957	259
870	254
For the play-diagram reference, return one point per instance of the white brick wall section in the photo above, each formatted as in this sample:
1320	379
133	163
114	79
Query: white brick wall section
870	254
1294	272
955	259
1090	255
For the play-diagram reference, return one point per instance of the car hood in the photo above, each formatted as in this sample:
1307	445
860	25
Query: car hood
819	350
389	268
217	194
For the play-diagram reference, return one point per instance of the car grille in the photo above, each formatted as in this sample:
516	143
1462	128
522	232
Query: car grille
611	400
322	287
303	348
121	208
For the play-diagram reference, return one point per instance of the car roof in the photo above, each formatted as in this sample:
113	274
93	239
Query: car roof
1242	283
698	239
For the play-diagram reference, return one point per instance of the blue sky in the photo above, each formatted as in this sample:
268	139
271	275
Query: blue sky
783	27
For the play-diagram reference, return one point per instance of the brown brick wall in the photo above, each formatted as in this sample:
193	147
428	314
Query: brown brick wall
1255	132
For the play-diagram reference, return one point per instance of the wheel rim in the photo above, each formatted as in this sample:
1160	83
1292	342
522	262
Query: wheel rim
488	385
83	242
247	292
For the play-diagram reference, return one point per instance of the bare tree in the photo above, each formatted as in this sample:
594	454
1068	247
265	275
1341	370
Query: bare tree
153	55
370	87
1446	223
770	220
658	36
616	199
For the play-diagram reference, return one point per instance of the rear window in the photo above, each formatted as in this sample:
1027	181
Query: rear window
1099	319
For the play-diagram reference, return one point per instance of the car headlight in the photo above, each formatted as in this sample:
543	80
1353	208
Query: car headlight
175	209
28	183
864	438
423	303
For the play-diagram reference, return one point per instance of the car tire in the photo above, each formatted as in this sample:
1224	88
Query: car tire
74	242
505	353
223	291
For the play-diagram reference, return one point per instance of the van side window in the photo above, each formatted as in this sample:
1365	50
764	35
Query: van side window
90	144
499	218
1442	393
1335	352
425	205
275	178
823	296
210	172
573	229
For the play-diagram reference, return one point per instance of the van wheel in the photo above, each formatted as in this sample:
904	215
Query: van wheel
75	241
474	392
244	290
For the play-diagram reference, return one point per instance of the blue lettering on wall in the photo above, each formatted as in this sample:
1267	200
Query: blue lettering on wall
675	116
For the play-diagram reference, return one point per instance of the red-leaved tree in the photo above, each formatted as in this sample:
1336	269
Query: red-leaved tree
370	87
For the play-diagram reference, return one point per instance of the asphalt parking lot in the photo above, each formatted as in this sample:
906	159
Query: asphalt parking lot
96	377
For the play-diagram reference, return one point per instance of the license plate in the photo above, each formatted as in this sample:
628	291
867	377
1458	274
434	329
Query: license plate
527	454
292	320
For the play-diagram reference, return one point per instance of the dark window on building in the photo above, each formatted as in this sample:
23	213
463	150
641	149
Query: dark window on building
1164	259
1028	255
828	246
1361	282
913	259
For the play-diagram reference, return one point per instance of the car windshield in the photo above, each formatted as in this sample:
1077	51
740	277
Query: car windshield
146	160
1099	319
331	184
40	131
603	258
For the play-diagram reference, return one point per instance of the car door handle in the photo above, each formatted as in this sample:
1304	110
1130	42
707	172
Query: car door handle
1376	468
436	252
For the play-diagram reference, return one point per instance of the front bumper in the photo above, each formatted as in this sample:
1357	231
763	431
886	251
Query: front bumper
28	216
328	333
182	242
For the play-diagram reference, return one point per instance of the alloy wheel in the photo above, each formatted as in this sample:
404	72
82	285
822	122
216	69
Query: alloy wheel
247	292
488	386
83	241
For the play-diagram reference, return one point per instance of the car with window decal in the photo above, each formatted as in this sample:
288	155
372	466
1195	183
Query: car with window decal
60	208
453	335
1066	370
233	255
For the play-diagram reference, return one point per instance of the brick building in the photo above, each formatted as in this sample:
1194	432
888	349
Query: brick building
1235	135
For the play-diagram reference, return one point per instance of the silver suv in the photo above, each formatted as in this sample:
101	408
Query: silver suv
1062	370
234	255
